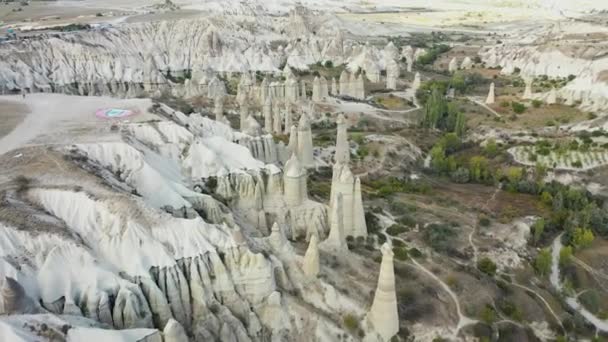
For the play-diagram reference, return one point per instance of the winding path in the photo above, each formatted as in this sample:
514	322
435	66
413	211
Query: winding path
572	302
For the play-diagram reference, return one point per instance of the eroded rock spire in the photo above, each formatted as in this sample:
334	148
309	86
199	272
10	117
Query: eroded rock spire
383	314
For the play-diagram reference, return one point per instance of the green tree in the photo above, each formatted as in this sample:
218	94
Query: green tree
491	148
434	109
565	255
542	263
461	124
478	168
458	82
538	228
582	238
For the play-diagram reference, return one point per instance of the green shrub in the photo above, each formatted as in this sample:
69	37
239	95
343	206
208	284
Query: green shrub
400	253
487	266
395	230
537	103
351	323
518	107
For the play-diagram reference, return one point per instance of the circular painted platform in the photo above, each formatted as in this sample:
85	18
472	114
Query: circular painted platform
114	113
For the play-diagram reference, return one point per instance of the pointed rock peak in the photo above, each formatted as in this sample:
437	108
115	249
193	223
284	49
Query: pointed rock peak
304	123
12	295
294	130
386	249
293	167
311	258
346	176
275	228
268	101
341	120
174	332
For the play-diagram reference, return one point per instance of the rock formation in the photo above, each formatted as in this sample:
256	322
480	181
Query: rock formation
292	147
264	90
316	89
244	114
174	332
334	87
305	142
294	180
453	66
348	188
303	89
267	112
218	109
344	83
491	97
287	117
323	88
336	240
342	154
291	89
416	82
466	64
552	97
14	300
276	120
383	314
310	265
528	91
392	74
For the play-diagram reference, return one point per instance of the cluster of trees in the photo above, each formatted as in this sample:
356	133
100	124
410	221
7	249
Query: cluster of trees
432	54
461	82
576	212
439	114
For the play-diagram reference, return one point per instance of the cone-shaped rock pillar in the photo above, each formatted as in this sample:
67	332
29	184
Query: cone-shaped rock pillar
528	91
276	120
218	108
416	83
293	140
294	180
310	266
342	148
552	98
491	97
344	184
336	239
305	142
316	89
334	87
453	66
267	110
383	314
287	117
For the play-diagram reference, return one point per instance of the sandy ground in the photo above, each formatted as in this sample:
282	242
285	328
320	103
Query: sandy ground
11	114
64	119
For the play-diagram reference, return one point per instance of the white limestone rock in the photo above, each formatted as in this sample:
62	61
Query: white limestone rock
345	185
310	265
342	154
305	142
294	181
383	314
491	96
453	66
528	90
466	64
392	74
552	97
174	332
336	240
267	111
